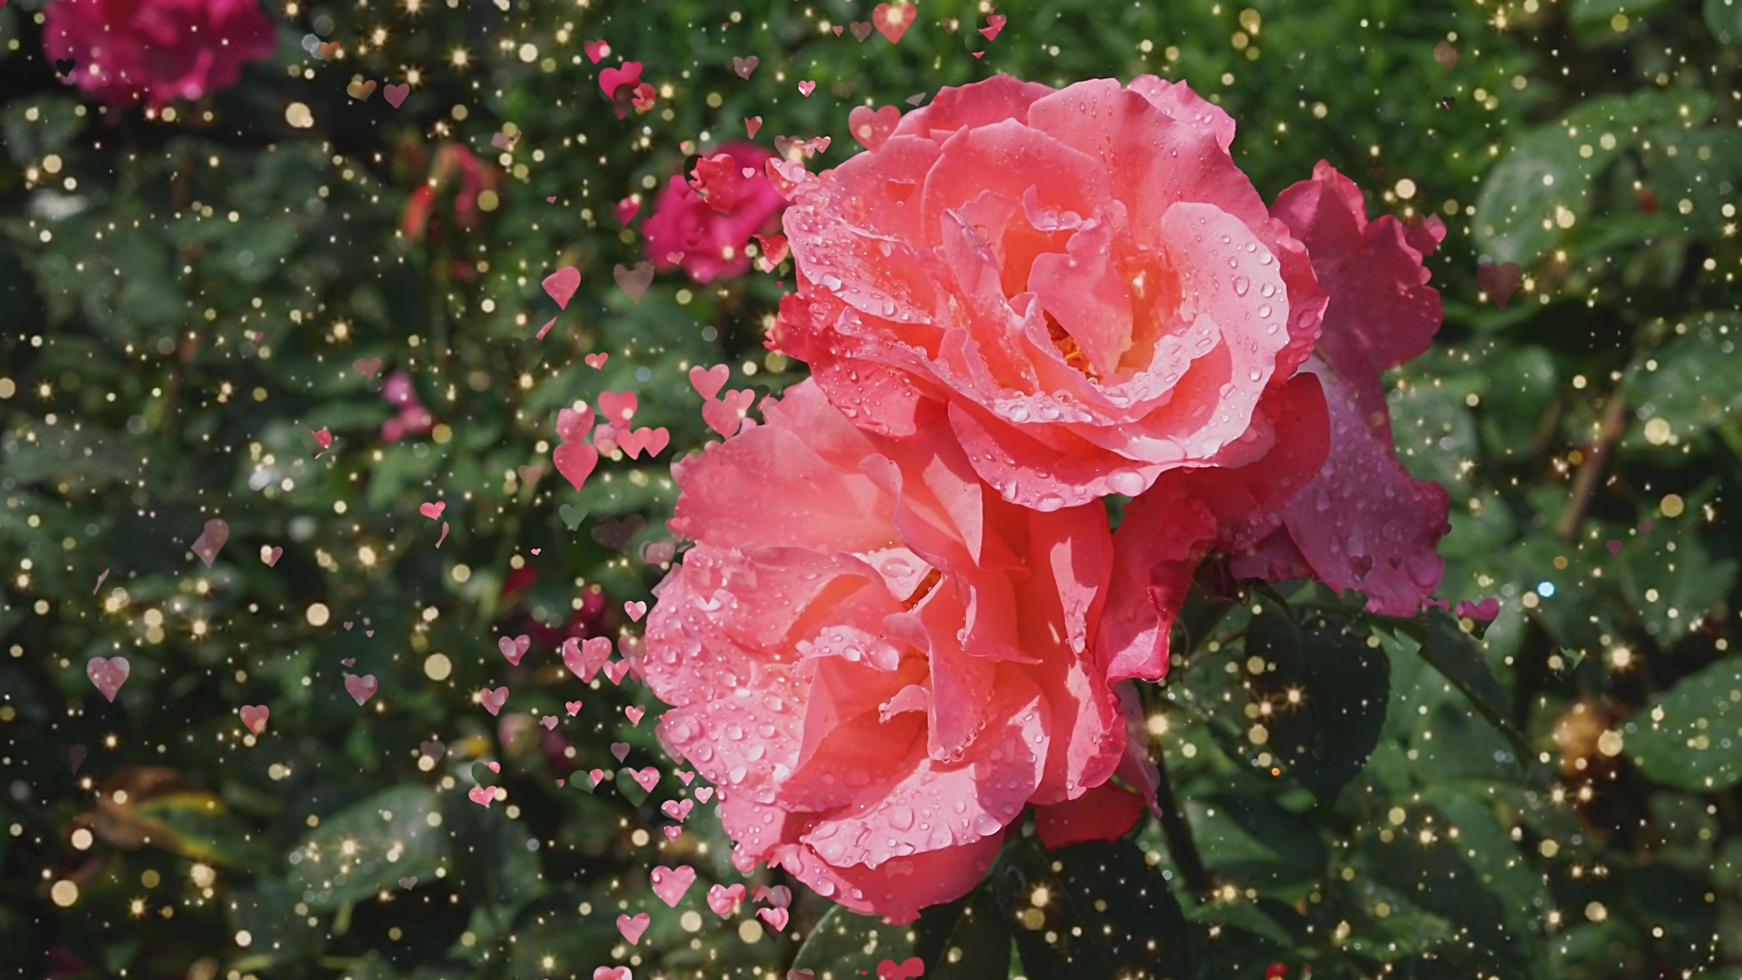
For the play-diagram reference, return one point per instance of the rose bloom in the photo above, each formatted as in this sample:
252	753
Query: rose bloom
685	230
1082	277
1100	302
156	51
881	663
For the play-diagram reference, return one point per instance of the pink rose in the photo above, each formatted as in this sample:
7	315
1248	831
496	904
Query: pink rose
1082	279
709	241
412	418
156	51
1329	498
881	663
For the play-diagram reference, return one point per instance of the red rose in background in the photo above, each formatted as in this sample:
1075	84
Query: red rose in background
707	235
156	51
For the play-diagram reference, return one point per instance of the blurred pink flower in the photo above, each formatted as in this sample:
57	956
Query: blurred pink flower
413	419
156	51
685	230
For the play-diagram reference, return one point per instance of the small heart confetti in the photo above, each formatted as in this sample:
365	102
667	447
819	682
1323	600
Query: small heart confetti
361	688
254	717
108	674
561	285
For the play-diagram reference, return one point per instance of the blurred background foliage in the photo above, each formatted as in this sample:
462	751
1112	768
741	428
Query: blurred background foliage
187	297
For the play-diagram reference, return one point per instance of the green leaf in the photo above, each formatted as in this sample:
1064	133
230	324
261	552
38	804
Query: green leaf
968	939
196	825
1253	843
1321	692
1691	384
1092	910
1672	583
1457	655
1691	737
1547	184
845	940
367	847
1724	19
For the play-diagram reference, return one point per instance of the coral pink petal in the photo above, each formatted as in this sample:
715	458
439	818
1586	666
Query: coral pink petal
1154	161
937	805
1179	102
784	485
966	106
898	888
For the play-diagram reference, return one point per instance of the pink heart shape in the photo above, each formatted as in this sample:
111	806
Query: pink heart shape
575	461
269	555
361	688
596	361
433	511
708	381
618	407
633	281
108	674
872	126
583	658
893	20
395	94
561	285
482	795
726	416
636	609
678	810
670	884
1499	281
805	88
908	969
632	926
776	918
612	973
723	899
620	750
634	714
573	707
615	670
596	50
574	424
646	777
254	717
514	647
704	793
638	441
493	700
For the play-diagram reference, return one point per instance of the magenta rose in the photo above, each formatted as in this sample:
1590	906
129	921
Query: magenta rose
156	51
1083	279
708	237
881	664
